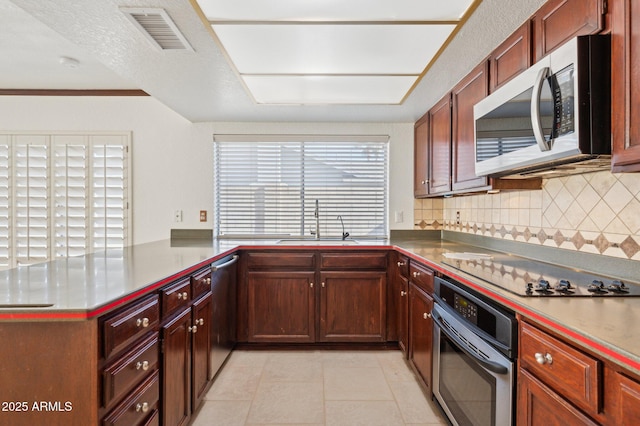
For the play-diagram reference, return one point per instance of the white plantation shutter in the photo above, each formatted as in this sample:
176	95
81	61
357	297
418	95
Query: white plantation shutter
269	188
109	194
70	181
62	195
31	199
5	197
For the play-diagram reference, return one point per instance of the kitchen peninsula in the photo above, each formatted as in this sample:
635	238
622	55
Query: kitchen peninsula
57	357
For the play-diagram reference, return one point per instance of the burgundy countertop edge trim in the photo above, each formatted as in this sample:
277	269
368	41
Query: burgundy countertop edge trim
597	347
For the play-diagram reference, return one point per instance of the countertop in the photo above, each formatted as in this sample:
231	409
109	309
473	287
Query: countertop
87	286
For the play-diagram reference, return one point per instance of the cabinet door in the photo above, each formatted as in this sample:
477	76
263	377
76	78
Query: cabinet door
421	333
625	85
403	314
281	306
539	405
512	56
440	147
557	21
473	88
176	369
201	349
353	306
420	157
623	402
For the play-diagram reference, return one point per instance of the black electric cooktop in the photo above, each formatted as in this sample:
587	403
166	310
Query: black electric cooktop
530	278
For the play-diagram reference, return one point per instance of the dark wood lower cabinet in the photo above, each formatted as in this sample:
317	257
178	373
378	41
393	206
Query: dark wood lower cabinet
186	341
403	314
421	333
353	306
201	349
539	405
176	368
281	307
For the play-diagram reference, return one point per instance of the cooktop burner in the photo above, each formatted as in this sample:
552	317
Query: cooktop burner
531	278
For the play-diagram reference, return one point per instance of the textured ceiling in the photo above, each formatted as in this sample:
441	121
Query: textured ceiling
200	85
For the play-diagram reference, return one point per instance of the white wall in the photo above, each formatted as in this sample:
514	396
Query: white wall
172	158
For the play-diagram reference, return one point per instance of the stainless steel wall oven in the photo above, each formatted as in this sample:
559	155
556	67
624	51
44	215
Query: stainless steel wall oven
474	351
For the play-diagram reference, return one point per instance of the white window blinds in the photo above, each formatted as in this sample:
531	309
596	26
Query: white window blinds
268	187
62	195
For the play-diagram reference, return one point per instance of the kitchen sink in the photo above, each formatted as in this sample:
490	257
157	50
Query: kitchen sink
320	242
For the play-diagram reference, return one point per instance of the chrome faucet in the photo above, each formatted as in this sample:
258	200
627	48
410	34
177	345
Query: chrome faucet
316	214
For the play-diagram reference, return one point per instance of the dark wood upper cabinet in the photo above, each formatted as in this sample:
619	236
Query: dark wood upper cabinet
625	85
472	89
421	157
440	147
560	20
512	56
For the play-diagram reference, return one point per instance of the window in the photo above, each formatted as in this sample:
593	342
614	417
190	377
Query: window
267	186
62	195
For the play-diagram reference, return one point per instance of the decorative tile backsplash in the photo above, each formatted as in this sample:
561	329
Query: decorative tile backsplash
595	213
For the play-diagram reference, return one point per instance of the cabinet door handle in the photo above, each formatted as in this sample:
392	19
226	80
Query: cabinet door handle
193	329
208	281
426	315
403	293
401	264
144	407
322	284
416	274
144	365
311	285
543	359
200	321
179	296
144	322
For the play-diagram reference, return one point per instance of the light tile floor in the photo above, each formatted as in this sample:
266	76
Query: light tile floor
322	387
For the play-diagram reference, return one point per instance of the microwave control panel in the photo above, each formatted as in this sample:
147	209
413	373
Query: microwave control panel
564	101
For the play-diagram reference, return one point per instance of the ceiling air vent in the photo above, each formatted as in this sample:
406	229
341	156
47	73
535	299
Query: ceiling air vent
158	28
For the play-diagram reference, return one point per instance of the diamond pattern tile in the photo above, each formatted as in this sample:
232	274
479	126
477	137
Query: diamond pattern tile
592	213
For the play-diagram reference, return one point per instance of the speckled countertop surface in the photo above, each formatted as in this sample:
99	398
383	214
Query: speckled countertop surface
88	286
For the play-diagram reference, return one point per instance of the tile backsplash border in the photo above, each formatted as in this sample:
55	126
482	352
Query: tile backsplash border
597	213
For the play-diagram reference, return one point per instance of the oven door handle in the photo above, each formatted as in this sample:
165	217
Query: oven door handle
489	365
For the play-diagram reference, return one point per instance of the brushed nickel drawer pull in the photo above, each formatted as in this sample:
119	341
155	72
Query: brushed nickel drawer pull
403	293
144	365
144	407
543	359
144	322
416	274
193	329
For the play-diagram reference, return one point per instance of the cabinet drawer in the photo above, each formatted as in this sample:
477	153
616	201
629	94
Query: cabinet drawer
421	276
281	260
139	407
130	324
348	260
201	282
176	296
122	375
570	372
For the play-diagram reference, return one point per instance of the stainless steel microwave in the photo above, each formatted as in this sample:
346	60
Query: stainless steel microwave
552	118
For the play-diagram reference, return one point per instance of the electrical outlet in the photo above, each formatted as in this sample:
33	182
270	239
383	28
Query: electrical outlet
399	216
177	215
457	218
203	215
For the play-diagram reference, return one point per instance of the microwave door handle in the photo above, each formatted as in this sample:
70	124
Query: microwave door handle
535	110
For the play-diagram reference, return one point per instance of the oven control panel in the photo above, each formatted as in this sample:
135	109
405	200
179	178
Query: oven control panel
465	308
